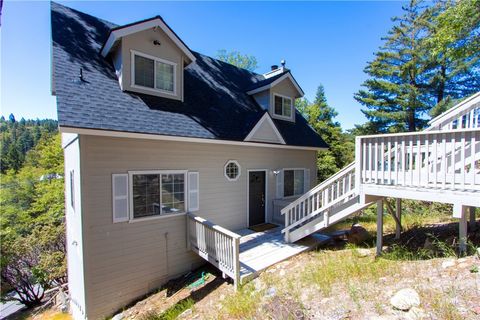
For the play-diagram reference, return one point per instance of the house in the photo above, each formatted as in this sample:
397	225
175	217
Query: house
170	154
155	136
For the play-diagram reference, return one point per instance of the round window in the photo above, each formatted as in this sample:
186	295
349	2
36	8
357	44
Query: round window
232	170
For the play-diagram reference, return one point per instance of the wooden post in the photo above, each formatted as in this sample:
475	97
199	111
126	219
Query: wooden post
462	230
287	222
236	256
398	221
472	219
379	226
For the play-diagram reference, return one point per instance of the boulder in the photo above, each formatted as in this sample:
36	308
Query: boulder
118	316
363	252
357	234
405	299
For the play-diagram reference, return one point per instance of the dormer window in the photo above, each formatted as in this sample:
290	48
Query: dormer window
283	106
153	73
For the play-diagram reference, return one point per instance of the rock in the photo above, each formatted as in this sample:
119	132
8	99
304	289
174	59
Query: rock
363	252
447	264
416	314
405	299
478	252
282	273
270	292
118	316
357	234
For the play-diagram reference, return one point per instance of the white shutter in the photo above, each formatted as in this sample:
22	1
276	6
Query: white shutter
306	180
120	197
280	185
193	192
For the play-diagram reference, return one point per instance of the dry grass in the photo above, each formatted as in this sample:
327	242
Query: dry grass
327	268
243	304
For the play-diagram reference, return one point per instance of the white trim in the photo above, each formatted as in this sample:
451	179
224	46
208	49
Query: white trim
115	35
281	116
225	170
272	73
274	83
248	194
147	136
157	172
265	117
133	53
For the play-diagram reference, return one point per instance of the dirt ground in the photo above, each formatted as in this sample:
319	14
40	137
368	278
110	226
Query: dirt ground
335	282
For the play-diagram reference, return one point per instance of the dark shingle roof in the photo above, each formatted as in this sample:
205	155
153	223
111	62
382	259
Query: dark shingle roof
215	104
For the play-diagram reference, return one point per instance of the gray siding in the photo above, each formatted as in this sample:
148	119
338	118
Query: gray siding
143	42
126	260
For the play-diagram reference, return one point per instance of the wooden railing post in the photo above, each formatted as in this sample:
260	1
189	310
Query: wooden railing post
287	223
358	163
236	256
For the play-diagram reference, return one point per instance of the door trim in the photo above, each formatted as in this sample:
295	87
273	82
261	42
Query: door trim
248	195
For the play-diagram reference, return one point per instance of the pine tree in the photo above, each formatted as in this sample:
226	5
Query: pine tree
397	96
321	116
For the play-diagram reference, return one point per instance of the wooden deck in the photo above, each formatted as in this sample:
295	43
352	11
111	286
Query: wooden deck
260	250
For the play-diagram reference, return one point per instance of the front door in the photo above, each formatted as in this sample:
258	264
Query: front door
256	197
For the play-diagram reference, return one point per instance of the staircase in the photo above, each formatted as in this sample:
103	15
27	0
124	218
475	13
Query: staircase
329	202
440	166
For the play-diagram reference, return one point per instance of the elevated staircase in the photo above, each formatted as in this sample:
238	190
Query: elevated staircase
441	166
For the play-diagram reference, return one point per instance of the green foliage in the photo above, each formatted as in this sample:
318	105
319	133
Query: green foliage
321	116
412	72
17	138
238	59
32	229
173	312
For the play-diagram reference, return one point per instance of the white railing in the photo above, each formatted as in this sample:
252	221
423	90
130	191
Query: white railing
464	115
436	159
217	245
335	190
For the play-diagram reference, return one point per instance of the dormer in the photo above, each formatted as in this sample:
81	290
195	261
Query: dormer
149	58
277	92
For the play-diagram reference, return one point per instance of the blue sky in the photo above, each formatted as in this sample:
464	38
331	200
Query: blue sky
322	42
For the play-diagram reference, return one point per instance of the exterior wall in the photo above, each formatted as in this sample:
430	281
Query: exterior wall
73	215
265	133
263	99
143	42
126	260
284	88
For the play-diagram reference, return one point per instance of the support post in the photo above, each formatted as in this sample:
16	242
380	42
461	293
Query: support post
398	221
287	222
236	256
379	226
462	230
472	219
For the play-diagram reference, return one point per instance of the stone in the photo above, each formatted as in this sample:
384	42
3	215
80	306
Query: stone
357	234
282	273
405	299
478	252
363	252
447	264
270	292
416	313
118	316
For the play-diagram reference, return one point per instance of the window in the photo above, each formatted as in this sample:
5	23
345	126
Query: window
232	170
293	182
282	106
72	189
153	73
157	193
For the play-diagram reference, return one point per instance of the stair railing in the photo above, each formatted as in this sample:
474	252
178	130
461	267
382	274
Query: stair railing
336	189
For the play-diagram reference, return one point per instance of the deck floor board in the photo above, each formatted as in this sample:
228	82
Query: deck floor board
260	250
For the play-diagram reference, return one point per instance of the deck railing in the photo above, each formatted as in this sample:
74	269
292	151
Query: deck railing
217	245
433	159
337	189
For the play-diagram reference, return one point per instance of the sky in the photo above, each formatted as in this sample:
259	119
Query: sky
325	43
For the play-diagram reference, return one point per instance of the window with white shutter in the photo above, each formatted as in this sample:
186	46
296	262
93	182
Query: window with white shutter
120	197
193	192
